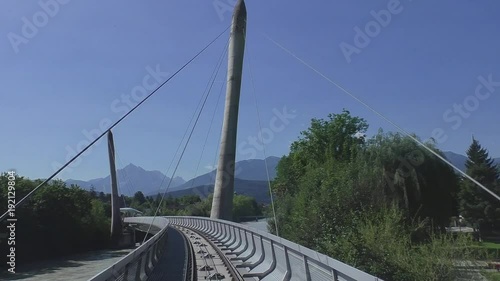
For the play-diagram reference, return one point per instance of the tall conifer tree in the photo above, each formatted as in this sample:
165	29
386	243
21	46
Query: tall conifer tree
477	205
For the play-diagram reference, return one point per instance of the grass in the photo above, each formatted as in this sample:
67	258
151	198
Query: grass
487	250
494	253
491	275
489	245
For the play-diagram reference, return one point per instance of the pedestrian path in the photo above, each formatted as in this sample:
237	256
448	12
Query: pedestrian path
78	267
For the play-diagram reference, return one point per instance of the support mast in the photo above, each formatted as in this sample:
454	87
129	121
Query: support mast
222	203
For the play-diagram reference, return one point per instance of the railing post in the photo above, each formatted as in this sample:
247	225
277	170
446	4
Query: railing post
246	243
207	226
147	270
335	275
218	233
125	273
306	266
216	228
154	258
138	269
234	240
240	241
227	232
288	273
254	249
159	250
228	235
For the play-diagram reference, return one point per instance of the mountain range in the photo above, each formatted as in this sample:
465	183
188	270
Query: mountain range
133	178
250	170
250	179
253	188
459	160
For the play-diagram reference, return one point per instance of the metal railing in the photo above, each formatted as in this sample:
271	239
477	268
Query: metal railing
263	255
268	257
138	264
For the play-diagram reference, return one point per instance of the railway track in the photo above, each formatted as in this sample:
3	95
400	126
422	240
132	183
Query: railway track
205	260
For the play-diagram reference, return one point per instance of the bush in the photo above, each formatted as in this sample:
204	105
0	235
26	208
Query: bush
381	244
55	221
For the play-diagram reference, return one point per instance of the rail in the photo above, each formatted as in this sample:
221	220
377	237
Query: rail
268	257
138	264
256	253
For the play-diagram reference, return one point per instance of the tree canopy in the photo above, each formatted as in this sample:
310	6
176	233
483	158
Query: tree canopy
56	221
367	201
476	205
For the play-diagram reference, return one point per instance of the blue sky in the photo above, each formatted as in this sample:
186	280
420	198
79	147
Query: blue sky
67	75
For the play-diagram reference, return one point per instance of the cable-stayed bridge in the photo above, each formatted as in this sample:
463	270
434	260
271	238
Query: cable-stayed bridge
195	248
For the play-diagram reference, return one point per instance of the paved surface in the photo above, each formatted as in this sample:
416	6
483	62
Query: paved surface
471	275
74	268
172	263
260	224
460	229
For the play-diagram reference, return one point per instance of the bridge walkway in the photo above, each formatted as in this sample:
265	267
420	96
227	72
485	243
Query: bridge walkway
174	261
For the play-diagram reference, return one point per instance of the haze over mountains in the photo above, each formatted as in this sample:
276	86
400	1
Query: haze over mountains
251	179
250	170
133	178
459	160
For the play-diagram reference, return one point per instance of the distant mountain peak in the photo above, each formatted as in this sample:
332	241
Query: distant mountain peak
132	178
132	167
249	170
179	179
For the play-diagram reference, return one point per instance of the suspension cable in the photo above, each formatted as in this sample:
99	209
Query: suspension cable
263	146
383	117
198	106
127	179
114	124
187	142
200	102
214	165
208	134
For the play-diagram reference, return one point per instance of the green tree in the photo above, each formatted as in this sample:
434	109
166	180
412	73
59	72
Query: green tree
346	196
406	174
307	182
56	220
189	199
102	196
92	192
100	223
139	198
476	204
338	138
245	206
